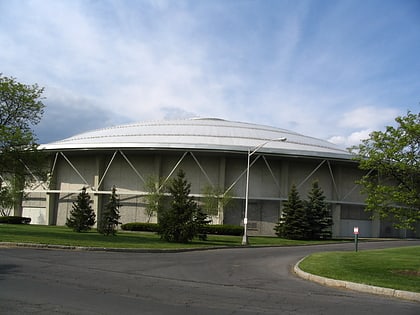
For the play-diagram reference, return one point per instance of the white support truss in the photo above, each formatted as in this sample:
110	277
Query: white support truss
310	175
75	169
240	175
106	170
202	170
132	166
173	170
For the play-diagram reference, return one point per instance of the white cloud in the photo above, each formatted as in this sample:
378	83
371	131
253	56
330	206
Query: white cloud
283	65
354	138
369	116
358	123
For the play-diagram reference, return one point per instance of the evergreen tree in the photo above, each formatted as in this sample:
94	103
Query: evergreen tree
183	220
82	217
110	215
319	214
201	220
294	223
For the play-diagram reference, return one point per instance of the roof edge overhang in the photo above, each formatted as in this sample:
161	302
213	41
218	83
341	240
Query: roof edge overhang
203	148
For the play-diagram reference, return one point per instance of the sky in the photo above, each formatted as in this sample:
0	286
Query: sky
335	70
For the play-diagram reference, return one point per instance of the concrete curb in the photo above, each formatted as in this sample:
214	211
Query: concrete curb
406	295
109	249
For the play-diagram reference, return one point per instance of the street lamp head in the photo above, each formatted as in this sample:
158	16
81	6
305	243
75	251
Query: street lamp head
280	139
252	151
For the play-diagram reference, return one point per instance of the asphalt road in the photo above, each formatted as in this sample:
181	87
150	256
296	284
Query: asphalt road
225	281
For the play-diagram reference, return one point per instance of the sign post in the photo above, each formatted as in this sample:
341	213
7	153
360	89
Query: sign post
356	236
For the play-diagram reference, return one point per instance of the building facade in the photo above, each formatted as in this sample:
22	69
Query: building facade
214	154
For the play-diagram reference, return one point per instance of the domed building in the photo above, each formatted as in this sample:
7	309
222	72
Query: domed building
215	155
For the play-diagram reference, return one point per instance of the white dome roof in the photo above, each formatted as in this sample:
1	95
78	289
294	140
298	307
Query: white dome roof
200	134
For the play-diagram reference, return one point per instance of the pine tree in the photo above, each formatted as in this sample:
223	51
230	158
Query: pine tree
183	220
319	214
110	215
201	220
293	224
82	217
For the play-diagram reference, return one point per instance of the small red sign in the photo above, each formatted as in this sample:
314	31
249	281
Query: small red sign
356	230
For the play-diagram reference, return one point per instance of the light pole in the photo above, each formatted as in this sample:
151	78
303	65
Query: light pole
250	153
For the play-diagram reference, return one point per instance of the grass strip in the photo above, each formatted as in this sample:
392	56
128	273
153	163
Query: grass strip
395	268
61	235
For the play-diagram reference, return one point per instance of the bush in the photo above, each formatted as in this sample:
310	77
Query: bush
15	220
140	226
219	229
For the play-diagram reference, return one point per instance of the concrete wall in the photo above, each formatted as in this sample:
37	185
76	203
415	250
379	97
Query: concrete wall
270	182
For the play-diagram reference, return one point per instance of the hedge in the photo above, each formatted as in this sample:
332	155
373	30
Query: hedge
140	226
217	229
15	220
222	229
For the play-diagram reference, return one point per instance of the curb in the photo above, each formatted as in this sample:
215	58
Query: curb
364	288
108	249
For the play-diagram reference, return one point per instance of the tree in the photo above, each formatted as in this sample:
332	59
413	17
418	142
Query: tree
201	221
215	200
319	214
110	216
154	198
392	159
7	198
82	217
21	108
183	220
293	224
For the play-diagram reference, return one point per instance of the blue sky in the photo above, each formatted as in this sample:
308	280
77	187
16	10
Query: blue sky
335	70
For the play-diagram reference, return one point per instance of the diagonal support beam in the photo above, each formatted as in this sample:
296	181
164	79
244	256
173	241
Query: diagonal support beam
173	170
354	187
132	166
202	169
310	175
333	179
107	168
271	172
54	164
40	183
75	169
240	175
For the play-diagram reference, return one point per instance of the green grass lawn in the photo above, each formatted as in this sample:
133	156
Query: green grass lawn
396	268
61	235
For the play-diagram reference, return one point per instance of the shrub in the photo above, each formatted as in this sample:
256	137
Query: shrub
140	226
218	229
15	220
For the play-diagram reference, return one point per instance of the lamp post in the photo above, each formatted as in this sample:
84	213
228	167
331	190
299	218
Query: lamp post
250	153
